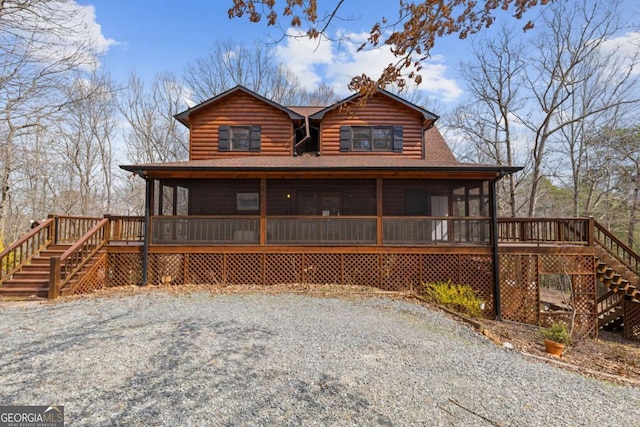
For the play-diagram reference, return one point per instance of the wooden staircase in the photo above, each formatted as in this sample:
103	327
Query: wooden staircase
32	281
52	259
617	270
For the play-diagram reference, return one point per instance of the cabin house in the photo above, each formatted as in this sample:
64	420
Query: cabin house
364	194
352	193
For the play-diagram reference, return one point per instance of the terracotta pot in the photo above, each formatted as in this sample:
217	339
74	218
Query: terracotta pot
553	347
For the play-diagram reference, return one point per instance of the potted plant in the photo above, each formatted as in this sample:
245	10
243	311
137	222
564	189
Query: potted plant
556	338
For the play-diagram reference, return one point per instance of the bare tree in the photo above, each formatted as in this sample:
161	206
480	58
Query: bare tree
556	91
487	121
626	144
87	131
570	68
153	134
40	43
228	64
322	96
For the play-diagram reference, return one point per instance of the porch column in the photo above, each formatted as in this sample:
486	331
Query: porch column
263	211
175	200
148	211
494	240
379	224
161	199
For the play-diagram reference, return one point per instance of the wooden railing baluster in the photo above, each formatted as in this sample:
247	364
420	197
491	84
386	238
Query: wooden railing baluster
544	230
20	252
64	268
616	247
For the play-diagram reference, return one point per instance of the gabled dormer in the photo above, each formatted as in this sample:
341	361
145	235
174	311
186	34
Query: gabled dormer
384	125
239	122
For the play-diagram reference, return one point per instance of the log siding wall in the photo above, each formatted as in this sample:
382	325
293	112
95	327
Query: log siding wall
240	109
379	111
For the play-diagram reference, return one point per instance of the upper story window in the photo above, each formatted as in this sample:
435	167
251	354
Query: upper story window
239	138
371	138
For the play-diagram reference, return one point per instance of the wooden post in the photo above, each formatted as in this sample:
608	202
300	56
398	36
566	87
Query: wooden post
107	230
379	224
175	200
54	277
148	211
590	231
263	211
161	199
54	230
496	255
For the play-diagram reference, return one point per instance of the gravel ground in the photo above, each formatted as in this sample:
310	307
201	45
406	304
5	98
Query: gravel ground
201	359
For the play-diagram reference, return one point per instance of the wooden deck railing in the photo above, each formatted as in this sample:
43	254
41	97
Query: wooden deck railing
322	230
71	228
64	267
126	228
434	230
319	230
20	252
616	248
205	229
575	231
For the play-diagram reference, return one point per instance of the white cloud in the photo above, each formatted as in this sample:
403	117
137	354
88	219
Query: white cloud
70	30
93	30
336	63
626	48
304	57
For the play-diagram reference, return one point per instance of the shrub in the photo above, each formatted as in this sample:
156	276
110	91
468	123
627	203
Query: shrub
558	333
461	298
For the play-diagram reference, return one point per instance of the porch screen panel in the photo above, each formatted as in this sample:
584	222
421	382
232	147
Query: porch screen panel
311	197
426	212
321	231
220	196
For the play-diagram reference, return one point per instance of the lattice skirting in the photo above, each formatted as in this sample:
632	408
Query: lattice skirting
393	272
93	279
124	269
632	320
520	289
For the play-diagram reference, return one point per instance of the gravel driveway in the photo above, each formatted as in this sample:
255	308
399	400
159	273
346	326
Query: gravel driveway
201	359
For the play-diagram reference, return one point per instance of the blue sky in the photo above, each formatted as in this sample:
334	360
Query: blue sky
154	36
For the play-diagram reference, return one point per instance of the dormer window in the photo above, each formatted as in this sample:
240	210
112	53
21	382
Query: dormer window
371	138
239	138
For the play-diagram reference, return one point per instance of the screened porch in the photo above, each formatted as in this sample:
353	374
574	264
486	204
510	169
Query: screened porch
320	212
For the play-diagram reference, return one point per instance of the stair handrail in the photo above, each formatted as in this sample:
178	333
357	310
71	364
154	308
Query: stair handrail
608	301
64	267
25	248
616	248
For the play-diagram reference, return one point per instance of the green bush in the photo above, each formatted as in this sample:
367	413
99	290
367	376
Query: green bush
558	333
461	298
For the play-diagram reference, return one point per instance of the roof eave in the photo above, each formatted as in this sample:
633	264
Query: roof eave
502	170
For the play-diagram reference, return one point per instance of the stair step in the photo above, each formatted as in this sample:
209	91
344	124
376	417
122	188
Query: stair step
35	269
41	261
32	275
58	247
24	292
26	283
